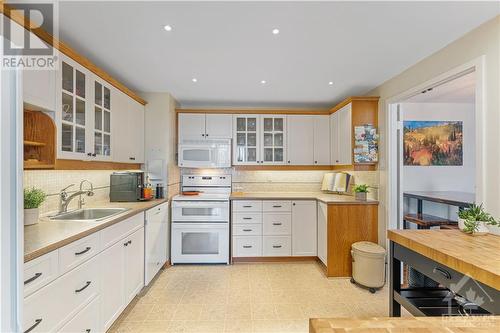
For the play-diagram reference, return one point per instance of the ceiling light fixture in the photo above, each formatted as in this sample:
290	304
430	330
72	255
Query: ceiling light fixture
276	31
194	79
263	81
330	83
167	27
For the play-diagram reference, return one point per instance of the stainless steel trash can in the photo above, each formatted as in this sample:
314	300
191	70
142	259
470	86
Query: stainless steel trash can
368	265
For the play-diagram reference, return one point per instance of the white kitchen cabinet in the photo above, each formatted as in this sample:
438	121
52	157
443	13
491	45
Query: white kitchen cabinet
341	136
86	321
246	139
137	131
304	228
321	140
156	239
134	264
40	271
102	102
300	139
191	126
200	126
322	232
113	284
218	126
273	139
39	89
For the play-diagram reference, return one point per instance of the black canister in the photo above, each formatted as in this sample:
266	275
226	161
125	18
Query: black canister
159	191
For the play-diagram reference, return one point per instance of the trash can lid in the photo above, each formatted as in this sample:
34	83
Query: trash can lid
368	247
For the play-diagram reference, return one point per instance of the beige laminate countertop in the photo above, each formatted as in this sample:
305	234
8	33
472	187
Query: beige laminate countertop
406	324
475	256
48	235
320	196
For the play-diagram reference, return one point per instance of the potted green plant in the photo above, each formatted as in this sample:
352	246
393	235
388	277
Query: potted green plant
474	220
361	191
33	198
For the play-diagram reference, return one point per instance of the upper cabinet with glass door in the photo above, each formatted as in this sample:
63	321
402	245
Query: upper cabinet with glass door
246	139
273	139
73	119
102	120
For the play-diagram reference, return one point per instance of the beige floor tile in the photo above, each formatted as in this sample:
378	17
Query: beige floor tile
213	312
238	311
262	311
157	326
238	326
267	326
161	312
205	326
289	311
187	312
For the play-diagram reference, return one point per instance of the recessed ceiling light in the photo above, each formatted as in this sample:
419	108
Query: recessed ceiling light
276	31
168	27
263	81
330	83
194	79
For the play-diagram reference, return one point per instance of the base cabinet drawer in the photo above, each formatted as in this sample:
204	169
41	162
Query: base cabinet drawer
277	206
51	306
86	321
116	232
277	246
247	206
247	218
247	229
40	271
277	224
77	252
247	246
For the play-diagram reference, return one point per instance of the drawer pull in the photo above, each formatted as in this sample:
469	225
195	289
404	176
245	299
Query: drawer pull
87	249
277	223
33	278
443	272
84	287
247	246
248	206
247	230
277	246
247	218
277	206
37	322
88	330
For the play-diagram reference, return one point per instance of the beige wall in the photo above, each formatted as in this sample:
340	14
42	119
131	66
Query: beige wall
483	40
160	134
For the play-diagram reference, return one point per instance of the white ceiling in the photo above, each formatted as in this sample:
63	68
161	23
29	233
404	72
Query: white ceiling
229	47
459	90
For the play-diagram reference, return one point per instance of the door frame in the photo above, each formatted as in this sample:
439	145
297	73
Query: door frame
394	197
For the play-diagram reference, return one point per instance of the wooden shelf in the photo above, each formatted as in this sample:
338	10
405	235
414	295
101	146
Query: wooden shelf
34	143
427	220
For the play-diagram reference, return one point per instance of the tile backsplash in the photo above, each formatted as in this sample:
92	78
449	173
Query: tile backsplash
52	181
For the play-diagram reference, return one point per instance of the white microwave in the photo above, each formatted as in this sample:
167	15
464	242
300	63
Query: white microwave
205	154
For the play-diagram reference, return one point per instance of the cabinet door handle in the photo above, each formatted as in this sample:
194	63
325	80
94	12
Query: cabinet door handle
247	206
206	134
88	330
443	272
33	278
125	244
247	246
203	135
247	218
130	242
37	322
315	162
84	287
132	158
87	249
247	230
277	246
276	223
277	206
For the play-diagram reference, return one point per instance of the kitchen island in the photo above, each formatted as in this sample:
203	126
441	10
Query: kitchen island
465	265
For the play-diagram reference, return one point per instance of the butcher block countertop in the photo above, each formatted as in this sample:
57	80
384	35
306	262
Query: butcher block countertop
475	256
479	324
48	235
320	196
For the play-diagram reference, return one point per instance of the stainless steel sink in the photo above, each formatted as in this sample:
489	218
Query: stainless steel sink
89	214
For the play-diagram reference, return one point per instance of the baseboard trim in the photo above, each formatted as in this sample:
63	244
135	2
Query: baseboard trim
166	265
273	259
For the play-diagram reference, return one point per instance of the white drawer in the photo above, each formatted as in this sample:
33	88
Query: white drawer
247	230
276	246
247	206
60	300
40	271
247	246
120	230
247	218
77	252
277	224
277	206
87	320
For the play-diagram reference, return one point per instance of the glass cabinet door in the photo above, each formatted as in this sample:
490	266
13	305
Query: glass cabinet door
102	120
73	110
273	139
246	139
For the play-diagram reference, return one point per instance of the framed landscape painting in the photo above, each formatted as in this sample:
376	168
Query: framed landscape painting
428	143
